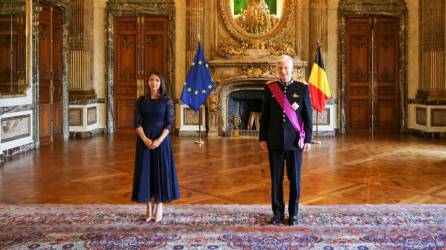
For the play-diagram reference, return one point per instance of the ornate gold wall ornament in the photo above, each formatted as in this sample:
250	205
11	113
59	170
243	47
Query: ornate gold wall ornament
213	107
256	18
258	71
220	77
283	48
239	32
212	102
227	50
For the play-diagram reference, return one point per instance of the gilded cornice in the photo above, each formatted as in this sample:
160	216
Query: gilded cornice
258	71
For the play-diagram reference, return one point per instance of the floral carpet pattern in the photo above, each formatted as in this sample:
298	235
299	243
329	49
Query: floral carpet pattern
222	227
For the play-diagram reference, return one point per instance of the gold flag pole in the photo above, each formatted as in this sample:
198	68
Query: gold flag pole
199	142
316	141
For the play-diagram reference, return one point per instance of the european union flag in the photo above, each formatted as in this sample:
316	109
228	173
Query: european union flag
199	83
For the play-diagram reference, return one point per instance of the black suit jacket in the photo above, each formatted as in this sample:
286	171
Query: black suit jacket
275	128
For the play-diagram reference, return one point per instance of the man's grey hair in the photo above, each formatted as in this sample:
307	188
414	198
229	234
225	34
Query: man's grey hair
286	59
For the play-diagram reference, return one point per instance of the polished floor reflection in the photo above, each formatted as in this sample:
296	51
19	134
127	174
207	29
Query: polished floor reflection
342	170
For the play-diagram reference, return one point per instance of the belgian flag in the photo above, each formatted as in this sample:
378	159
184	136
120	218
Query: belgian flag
319	88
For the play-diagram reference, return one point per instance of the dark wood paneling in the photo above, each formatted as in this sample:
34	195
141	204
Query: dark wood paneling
12	53
57	71
358	41
155	45
45	116
386	75
125	109
372	98
44	124
140	47
126	69
50	73
359	110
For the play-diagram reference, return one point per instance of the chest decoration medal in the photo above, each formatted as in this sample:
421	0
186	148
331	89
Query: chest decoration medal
295	106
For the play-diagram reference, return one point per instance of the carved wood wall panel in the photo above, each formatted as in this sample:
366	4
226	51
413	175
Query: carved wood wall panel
139	50
13	37
438	117
51	73
161	9
388	72
421	116
372	69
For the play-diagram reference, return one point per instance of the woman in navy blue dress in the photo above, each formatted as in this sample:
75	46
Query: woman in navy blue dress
155	180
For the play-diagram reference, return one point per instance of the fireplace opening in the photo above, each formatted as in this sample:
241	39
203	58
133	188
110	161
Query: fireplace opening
245	104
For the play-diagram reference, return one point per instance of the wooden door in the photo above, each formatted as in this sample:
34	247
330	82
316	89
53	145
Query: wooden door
140	47
125	71
155	46
50	73
372	93
386	75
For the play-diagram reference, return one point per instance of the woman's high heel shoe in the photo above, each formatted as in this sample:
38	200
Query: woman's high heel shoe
149	213
158	212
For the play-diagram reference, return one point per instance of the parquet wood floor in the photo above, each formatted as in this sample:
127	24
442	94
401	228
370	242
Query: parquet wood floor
342	170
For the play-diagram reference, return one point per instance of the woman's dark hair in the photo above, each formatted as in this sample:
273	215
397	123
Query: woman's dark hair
163	85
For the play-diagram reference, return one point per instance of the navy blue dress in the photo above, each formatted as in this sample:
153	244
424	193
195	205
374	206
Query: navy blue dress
155	174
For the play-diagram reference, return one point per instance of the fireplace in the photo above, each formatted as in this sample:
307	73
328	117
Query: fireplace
245	104
240	97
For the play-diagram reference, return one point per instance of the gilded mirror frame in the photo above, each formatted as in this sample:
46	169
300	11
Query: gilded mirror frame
243	35
23	77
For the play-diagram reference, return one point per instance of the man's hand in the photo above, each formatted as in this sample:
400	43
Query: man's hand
262	145
307	147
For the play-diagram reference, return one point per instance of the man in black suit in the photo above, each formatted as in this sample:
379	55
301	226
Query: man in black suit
283	140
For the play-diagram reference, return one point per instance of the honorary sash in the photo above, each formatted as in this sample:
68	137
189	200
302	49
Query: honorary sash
289	111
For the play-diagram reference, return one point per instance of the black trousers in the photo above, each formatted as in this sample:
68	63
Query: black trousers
293	160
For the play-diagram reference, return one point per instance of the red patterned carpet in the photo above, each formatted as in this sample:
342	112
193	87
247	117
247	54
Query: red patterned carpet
222	227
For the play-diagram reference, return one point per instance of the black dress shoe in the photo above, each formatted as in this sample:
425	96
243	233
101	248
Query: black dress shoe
277	219
293	221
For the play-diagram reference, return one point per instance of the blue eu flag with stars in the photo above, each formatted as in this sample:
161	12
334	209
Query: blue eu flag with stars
199	83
